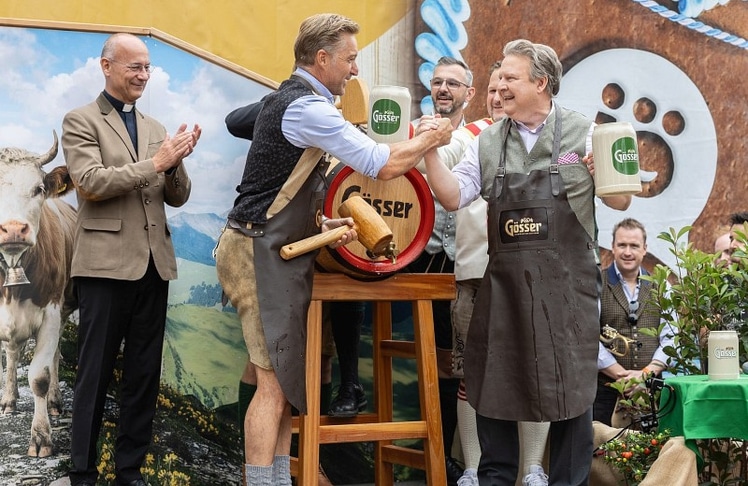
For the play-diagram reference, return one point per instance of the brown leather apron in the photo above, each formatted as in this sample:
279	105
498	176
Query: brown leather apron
284	287
532	344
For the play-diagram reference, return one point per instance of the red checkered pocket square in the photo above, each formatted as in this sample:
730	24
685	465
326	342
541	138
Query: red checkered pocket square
569	158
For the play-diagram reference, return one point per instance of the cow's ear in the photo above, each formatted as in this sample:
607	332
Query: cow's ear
58	182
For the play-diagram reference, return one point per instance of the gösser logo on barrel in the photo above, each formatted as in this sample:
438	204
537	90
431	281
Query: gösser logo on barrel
385	207
404	203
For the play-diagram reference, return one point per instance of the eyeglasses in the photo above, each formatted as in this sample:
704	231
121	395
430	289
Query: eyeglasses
633	307
136	68
452	84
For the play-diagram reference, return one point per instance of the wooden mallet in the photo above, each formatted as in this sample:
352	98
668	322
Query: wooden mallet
372	231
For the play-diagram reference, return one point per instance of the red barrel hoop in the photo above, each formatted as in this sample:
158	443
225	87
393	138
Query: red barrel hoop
404	203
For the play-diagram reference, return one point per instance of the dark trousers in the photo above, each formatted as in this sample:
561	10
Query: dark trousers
346	320
605	404
570	451
110	311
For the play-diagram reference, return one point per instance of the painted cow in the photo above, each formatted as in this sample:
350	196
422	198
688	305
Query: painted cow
36	241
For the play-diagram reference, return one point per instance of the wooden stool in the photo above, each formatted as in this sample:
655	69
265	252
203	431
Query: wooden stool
379	426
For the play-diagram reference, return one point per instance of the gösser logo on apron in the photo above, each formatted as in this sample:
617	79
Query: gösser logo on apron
523	225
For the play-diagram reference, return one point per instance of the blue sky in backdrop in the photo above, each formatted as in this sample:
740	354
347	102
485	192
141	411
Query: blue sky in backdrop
46	73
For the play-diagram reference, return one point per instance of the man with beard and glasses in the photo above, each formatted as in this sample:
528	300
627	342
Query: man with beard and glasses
451	90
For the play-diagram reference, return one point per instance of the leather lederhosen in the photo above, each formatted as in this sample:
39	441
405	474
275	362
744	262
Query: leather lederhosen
532	344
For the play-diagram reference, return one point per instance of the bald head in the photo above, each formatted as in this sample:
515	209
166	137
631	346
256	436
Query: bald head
121	40
126	66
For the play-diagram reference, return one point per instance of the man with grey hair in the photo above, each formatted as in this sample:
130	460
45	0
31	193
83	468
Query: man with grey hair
280	201
532	343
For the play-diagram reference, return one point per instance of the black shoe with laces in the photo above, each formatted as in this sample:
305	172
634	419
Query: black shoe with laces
454	471
349	401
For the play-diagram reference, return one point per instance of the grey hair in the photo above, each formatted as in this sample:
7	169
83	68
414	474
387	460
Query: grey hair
451	61
321	31
544	62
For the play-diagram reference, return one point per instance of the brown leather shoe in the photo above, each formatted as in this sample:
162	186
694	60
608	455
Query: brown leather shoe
322	478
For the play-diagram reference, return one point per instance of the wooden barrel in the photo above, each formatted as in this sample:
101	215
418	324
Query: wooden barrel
404	203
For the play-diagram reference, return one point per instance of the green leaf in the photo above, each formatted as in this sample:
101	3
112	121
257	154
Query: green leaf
698	296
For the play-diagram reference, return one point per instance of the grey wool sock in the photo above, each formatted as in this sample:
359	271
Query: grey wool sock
259	475
282	470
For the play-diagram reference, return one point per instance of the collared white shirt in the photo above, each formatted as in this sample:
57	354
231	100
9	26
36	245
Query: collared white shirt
468	170
314	121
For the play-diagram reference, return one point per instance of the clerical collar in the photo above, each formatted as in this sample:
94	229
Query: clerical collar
118	105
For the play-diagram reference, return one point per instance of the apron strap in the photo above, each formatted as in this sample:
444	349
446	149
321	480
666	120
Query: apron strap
498	182
555	177
304	167
553	169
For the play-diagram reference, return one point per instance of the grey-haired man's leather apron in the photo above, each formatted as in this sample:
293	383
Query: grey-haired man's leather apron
284	287
532	344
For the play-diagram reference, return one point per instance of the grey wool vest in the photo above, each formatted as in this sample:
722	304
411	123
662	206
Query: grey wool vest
577	180
271	157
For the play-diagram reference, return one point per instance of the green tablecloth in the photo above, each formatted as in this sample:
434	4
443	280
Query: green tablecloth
696	408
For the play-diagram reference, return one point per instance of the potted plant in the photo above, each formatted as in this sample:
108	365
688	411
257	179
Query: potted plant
633	453
698	296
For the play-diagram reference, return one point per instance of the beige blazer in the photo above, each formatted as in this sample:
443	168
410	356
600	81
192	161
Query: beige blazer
121	198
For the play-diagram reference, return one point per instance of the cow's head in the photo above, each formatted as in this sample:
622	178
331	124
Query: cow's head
23	188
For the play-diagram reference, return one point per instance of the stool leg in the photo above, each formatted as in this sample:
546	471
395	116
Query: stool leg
428	390
382	330
309	423
382	431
